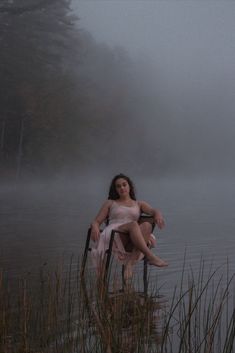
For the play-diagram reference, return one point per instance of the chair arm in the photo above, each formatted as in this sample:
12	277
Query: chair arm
147	218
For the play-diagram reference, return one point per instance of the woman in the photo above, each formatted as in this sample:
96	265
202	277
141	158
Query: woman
122	211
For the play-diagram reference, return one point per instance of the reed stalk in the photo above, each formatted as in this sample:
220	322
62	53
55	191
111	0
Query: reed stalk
61	313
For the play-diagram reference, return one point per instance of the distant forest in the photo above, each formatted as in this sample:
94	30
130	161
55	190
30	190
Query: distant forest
67	102
60	91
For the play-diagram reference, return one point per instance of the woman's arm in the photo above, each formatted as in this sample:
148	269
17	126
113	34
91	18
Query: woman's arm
99	219
157	215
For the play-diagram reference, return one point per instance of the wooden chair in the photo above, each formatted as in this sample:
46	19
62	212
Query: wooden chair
143	218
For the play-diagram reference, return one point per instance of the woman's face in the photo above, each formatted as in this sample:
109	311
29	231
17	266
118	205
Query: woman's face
122	187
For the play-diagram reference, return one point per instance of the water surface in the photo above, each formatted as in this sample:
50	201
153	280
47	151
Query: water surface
43	223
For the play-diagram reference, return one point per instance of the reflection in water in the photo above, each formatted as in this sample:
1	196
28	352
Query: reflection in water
126	321
140	317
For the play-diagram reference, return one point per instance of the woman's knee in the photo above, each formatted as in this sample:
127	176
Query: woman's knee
134	225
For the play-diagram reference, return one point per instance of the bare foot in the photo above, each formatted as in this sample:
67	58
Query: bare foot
157	261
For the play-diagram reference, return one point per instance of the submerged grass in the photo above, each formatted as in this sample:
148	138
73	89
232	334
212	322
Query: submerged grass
58	312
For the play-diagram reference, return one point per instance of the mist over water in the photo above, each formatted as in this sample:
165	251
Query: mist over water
43	224
152	97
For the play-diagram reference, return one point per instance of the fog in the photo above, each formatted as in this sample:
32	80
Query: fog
141	87
185	56
146	88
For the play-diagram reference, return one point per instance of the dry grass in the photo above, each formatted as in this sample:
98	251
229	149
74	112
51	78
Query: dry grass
60	313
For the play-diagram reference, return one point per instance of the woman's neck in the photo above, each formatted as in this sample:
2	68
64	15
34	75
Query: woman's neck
125	199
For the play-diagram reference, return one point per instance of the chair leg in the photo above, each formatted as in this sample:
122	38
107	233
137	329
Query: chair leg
145	276
109	253
123	278
84	258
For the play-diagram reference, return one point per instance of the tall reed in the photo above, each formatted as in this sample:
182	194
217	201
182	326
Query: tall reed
58	312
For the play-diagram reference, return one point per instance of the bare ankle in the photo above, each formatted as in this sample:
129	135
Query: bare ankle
157	261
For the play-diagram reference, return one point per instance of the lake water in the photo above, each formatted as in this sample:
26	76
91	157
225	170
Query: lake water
43	223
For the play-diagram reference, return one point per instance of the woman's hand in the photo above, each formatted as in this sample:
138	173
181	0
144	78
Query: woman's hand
100	218
95	231
159	220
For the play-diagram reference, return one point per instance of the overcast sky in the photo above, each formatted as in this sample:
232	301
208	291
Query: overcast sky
177	36
190	48
186	30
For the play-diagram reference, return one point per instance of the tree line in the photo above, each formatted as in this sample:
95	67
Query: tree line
67	102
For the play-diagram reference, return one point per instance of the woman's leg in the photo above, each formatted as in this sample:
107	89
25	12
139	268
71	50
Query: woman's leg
146	229
134	231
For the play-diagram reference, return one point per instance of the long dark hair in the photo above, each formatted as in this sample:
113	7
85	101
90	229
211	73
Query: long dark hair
113	195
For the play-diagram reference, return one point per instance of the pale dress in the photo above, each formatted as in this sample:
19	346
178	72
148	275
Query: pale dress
118	215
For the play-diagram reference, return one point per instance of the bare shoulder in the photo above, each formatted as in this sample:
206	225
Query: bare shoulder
107	203
142	203
145	207
103	212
